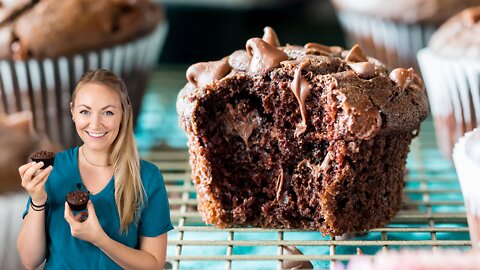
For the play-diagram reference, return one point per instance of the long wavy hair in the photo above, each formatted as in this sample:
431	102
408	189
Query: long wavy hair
129	191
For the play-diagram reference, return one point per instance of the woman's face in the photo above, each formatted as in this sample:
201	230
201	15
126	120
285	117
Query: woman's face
97	113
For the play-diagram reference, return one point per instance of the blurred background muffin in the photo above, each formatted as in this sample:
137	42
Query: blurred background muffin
450	66
46	45
466	156
393	31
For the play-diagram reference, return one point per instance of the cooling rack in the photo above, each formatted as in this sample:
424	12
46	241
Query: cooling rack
432	217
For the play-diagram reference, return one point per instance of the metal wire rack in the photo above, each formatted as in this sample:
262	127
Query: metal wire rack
432	217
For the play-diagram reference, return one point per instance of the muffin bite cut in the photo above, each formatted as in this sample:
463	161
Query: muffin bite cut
310	137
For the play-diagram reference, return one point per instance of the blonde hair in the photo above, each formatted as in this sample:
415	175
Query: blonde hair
129	191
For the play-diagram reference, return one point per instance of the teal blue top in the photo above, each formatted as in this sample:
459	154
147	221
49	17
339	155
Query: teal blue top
67	252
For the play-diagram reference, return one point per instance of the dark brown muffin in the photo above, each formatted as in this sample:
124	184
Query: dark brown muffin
50	28
46	157
310	137
77	200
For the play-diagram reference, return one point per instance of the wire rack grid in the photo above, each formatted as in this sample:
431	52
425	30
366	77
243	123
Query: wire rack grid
432	217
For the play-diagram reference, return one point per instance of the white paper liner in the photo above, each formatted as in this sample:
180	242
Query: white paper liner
466	157
393	43
453	87
45	86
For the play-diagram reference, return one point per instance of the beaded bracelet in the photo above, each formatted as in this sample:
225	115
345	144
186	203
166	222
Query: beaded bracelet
37	207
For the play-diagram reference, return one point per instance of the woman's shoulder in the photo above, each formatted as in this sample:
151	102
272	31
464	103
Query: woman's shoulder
67	155
149	170
147	167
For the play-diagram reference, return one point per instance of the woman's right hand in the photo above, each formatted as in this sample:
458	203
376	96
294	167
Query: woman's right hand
33	180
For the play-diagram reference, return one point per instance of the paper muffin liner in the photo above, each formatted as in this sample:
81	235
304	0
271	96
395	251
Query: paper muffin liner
45	86
453	87
466	157
395	44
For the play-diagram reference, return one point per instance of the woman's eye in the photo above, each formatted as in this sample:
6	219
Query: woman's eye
108	113
84	112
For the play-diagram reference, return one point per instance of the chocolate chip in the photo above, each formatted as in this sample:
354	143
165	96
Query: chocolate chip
270	37
203	73
364	70
265	57
356	55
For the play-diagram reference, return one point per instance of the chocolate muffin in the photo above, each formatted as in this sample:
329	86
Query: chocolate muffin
450	68
50	28
77	200
45	46
46	157
308	137
394	31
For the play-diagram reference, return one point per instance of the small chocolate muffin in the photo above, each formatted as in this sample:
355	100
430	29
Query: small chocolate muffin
77	200
46	157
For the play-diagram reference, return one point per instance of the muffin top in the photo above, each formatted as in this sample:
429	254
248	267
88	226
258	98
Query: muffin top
43	155
77	197
407	11
369	98
459	37
51	28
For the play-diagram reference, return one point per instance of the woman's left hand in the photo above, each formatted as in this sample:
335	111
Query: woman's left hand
85	225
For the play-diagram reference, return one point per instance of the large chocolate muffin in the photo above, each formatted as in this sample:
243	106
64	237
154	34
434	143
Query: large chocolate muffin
309	137
50	28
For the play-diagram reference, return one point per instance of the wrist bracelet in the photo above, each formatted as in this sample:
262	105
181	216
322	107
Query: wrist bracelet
43	205
36	208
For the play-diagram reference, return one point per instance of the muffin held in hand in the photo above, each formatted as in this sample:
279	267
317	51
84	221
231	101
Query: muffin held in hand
77	200
451	69
310	137
46	157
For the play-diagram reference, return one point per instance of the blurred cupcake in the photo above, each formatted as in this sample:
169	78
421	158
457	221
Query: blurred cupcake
393	31
450	66
45	46
466	156
418	259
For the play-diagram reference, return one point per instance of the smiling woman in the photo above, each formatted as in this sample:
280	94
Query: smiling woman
127	217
